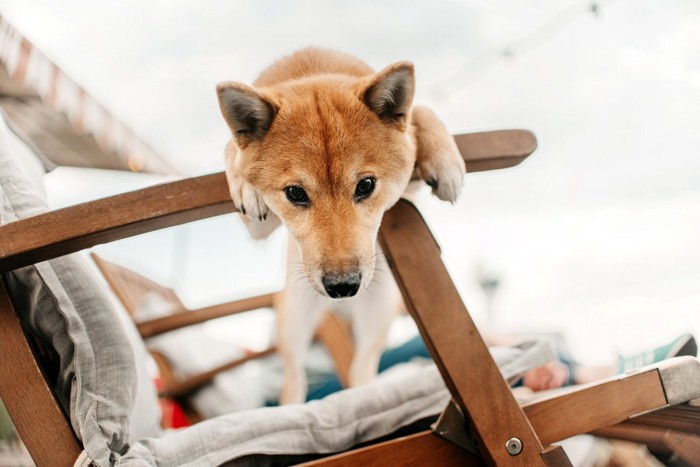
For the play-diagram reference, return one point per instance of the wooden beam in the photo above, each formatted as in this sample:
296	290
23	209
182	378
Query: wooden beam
684	445
453	340
34	410
188	318
681	417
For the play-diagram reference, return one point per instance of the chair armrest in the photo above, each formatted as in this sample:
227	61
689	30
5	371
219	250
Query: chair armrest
491	150
75	228
192	383
188	318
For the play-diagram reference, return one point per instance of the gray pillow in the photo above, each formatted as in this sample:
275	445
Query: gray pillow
102	380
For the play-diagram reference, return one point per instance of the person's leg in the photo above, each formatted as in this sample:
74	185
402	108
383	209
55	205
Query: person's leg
410	349
566	372
551	375
680	346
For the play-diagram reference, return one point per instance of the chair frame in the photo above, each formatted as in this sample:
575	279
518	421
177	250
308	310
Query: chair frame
503	432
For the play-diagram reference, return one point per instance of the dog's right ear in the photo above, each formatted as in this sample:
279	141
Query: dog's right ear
247	112
389	93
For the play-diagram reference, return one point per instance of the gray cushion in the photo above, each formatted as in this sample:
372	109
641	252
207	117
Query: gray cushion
63	304
271	436
330	425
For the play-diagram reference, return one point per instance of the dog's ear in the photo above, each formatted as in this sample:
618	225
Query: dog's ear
389	93
247	112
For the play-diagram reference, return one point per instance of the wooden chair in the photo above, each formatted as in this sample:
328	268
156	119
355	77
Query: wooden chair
130	287
483	423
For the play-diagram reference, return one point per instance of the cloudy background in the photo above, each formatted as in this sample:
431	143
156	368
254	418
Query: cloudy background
597	235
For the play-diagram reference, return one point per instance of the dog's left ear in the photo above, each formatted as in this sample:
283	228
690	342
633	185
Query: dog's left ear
389	93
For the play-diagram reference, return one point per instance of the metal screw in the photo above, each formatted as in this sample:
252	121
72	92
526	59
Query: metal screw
514	446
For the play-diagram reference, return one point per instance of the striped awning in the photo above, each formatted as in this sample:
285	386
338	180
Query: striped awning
60	118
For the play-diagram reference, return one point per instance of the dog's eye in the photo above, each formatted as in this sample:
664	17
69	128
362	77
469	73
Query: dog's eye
297	195
364	188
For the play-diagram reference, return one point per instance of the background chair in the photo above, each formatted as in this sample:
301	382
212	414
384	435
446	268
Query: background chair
131	288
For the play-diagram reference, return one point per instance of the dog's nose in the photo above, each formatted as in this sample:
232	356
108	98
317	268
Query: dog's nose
341	286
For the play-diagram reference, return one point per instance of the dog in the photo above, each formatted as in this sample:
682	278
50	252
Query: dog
325	145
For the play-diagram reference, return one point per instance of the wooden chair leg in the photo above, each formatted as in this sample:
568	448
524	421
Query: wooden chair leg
36	414
453	340
336	336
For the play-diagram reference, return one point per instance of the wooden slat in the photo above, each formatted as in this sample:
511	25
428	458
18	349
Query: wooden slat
130	287
596	406
335	334
78	227
650	436
453	340
53	135
188	318
416	450
190	384
39	419
685	445
682	417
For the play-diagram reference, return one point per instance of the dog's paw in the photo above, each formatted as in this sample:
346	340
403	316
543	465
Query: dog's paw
444	172
246	199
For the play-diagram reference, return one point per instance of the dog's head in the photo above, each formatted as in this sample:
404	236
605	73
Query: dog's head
328	154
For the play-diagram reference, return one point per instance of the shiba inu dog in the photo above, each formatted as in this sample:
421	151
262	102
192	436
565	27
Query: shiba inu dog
325	145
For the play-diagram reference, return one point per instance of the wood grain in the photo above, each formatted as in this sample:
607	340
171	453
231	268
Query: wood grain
78	227
36	414
415	450
594	407
682	417
335	334
453	340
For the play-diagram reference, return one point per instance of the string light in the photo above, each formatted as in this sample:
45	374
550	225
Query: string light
482	60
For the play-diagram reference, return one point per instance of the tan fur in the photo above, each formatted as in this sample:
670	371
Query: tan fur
323	120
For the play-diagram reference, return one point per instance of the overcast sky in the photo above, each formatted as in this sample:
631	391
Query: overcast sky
597	233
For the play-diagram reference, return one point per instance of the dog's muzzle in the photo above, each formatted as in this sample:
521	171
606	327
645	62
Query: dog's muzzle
342	285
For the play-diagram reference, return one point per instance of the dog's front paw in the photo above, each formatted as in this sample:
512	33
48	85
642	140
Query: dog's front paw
438	160
246	199
444	172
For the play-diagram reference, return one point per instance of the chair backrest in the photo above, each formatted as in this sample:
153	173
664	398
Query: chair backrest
130	287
